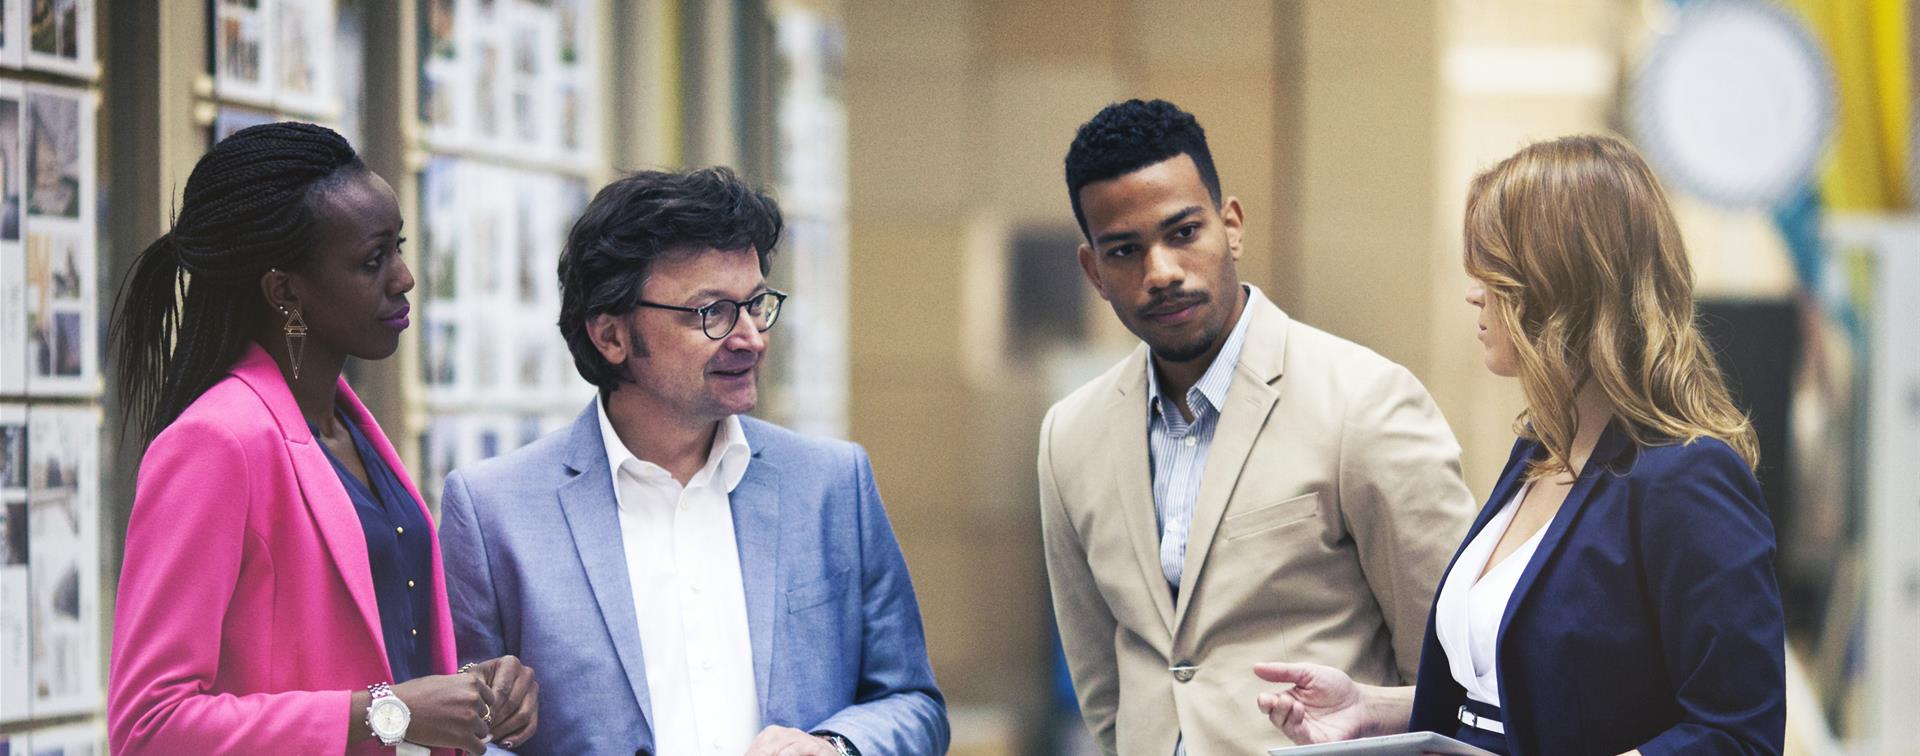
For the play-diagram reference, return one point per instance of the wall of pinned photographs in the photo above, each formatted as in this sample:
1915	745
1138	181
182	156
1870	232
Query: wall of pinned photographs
52	667
511	78
506	93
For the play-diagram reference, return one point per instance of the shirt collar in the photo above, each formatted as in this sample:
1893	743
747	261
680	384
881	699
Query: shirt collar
1214	383
726	461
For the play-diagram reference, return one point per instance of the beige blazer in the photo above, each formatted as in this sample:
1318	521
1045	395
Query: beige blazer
1330	504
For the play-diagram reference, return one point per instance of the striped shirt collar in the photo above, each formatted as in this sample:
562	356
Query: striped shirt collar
1213	384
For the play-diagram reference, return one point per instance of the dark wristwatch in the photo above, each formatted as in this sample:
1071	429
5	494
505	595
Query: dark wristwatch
839	743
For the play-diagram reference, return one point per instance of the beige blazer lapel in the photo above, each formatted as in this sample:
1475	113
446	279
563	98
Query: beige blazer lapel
1126	424
1250	400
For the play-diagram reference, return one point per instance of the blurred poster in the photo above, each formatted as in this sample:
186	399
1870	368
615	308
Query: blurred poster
277	53
15	656
13	33
61	286
242	59
230	120
509	77
63	559
74	740
59	37
808	380
13	263
305	62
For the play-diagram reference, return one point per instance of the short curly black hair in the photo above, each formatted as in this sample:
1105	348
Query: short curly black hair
1127	136
638	219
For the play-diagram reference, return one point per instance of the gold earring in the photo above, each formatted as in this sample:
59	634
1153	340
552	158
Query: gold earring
296	339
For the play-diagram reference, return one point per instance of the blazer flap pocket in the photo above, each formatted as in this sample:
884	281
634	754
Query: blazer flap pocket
810	595
1271	516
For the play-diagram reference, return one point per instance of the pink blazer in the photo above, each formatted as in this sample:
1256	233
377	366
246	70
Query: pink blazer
246	615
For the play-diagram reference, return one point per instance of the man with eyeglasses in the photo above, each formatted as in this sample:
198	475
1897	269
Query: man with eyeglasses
688	580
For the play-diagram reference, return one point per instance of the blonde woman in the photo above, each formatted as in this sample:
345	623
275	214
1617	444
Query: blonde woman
1616	593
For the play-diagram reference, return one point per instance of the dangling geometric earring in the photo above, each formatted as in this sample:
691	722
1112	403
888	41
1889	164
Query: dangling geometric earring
296	339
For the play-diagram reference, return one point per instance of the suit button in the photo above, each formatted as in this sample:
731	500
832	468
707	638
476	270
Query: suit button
1183	671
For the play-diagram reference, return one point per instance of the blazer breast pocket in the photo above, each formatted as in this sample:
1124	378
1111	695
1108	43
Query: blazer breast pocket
809	595
1276	515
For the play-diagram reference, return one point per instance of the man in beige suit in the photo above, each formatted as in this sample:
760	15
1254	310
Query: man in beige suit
1241	488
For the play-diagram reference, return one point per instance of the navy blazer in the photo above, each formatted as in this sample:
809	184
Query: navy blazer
536	568
1648	618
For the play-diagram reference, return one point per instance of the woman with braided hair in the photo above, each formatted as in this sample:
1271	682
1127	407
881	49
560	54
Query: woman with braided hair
281	589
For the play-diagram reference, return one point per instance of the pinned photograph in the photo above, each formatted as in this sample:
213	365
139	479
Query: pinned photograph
59	313
242	61
305	57
230	120
12	49
438	354
64	560
60	36
439	192
53	177
12	168
13	451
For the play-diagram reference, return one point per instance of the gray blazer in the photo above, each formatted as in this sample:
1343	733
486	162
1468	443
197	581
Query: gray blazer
535	568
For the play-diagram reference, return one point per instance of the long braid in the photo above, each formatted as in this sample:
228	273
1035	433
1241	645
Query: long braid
188	308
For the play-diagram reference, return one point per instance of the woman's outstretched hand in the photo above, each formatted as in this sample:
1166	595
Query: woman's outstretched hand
1324	705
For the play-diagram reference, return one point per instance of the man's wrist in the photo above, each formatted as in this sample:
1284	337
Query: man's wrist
839	742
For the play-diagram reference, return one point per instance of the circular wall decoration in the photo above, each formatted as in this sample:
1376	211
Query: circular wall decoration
1735	104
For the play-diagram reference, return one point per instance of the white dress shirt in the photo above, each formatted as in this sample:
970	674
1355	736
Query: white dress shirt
691	604
1467	616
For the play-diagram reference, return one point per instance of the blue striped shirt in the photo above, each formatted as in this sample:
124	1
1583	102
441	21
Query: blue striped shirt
1178	448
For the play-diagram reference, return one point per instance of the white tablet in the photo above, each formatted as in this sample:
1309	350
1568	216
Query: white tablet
1406	744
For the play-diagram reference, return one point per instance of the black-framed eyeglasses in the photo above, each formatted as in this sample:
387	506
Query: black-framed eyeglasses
718	319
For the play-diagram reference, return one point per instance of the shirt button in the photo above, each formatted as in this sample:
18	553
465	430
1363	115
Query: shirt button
409	584
415	631
1191	441
403	531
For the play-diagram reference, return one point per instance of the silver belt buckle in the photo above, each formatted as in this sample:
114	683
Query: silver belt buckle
1476	721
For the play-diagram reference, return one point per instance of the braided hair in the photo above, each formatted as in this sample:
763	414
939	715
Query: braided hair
190	304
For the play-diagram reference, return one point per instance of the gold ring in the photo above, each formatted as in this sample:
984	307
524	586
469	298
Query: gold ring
465	668
487	716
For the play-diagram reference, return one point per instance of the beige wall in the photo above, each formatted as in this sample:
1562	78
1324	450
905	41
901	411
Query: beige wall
1347	128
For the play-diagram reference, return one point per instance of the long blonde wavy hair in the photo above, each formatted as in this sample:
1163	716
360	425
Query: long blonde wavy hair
1575	240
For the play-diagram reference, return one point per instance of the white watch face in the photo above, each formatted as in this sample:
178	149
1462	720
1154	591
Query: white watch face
389	718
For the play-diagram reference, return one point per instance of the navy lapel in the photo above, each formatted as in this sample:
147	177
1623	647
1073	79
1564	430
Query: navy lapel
1612	442
593	515
755	503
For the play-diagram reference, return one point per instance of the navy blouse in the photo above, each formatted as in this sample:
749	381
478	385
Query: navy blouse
400	552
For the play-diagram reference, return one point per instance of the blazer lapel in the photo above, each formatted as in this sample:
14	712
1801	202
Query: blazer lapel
320	487
1250	401
593	516
755	503
1612	442
1127	426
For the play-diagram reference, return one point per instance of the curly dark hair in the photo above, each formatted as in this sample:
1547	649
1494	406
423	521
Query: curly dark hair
192	299
1127	136
638	219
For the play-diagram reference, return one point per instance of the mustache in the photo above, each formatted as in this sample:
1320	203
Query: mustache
730	363
1172	300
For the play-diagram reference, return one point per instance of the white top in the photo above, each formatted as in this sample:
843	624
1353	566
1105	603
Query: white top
691	603
1467	616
